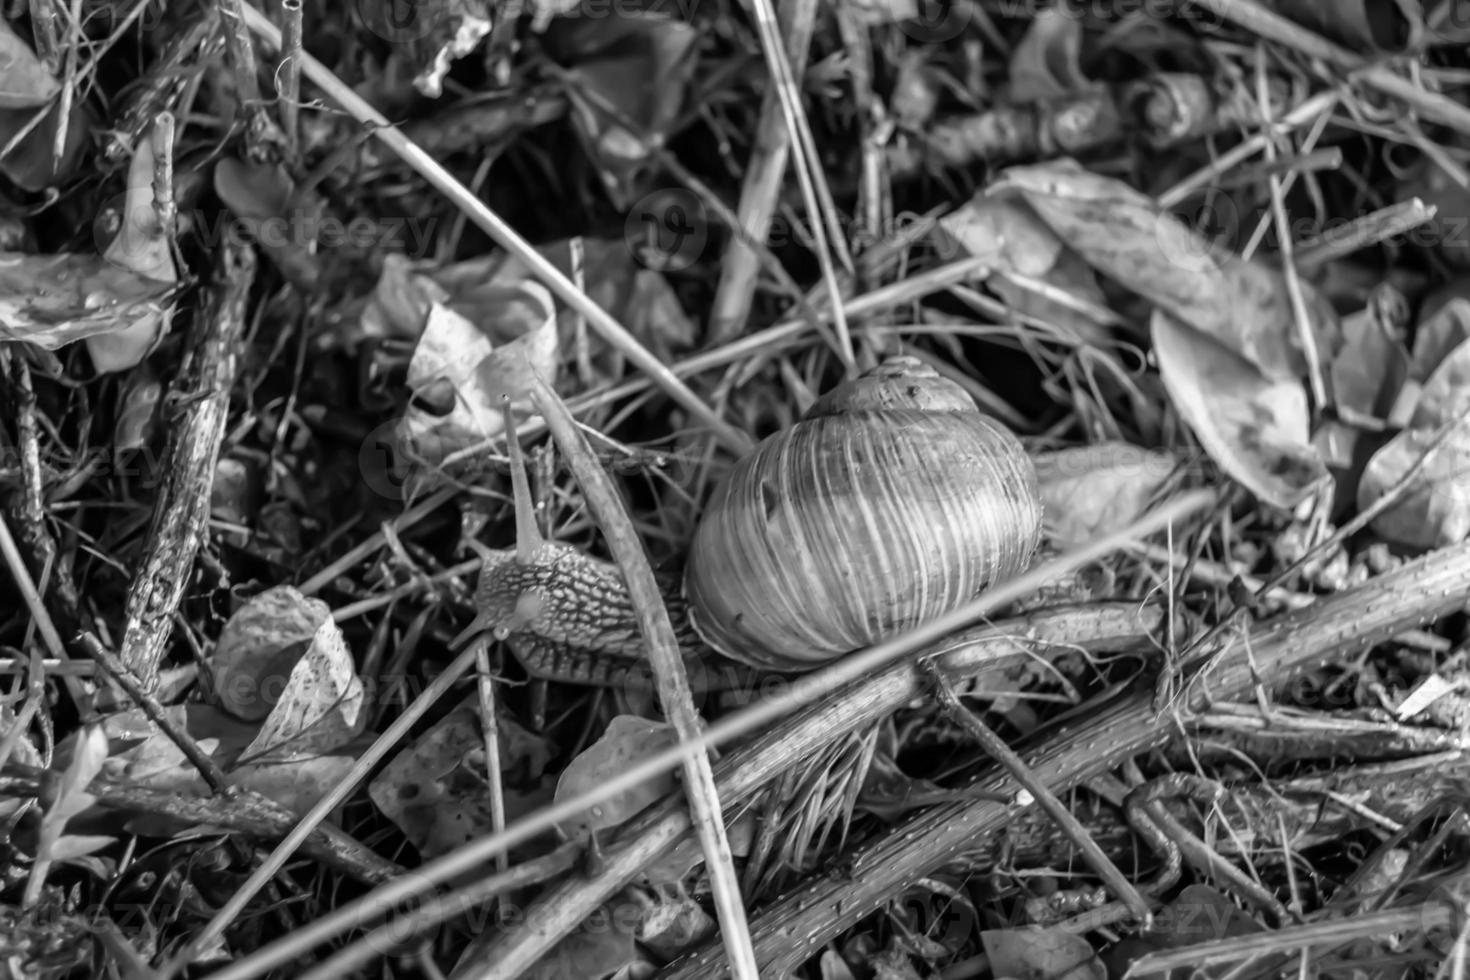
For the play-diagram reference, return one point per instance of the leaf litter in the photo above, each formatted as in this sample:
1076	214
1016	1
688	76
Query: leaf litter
1065	275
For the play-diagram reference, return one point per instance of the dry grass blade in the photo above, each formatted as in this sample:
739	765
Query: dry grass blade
668	668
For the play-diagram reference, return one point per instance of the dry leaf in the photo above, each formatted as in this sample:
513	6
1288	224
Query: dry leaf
55	300
142	246
437	790
1372	365
1379	26
464	375
1020	248
322	706
1255	428
25	83
628	739
258	648
1046	64
1091	491
1041	954
1123	234
283	223
1439	333
1435	509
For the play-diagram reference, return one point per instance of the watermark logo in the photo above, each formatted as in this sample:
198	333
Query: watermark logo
402	21
936	21
668	230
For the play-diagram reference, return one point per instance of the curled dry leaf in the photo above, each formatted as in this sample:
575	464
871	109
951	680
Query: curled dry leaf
1257	429
1435	508
322	706
258	648
459	375
142	246
1047	63
1091	491
437	791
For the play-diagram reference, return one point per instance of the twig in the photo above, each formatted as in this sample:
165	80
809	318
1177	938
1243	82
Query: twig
504	235
213	775
668	668
181	510
244	813
288	88
992	745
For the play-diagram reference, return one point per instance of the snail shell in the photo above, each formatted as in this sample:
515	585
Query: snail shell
892	502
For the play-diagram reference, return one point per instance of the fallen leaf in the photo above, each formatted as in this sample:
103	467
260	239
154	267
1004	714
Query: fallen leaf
1443	330
1435	509
1041	954
142	246
627	740
1257	429
31	164
1091	491
437	791
55	300
1021	250
1124	235
25	82
284	223
259	646
1372	365
322	706
456	359
297	784
1046	64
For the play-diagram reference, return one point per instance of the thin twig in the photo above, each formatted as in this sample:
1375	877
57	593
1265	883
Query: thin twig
995	747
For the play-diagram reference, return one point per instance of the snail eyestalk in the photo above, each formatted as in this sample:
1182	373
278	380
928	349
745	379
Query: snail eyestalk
528	535
528	608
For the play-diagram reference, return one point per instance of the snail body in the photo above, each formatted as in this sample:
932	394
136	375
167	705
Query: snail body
891	502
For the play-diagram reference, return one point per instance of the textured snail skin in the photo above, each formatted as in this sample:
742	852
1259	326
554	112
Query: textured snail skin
865	519
584	630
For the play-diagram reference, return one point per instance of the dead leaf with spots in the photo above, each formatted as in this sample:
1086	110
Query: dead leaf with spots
259	647
628	740
321	708
437	791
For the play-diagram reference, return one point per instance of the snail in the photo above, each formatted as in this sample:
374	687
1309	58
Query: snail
891	502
